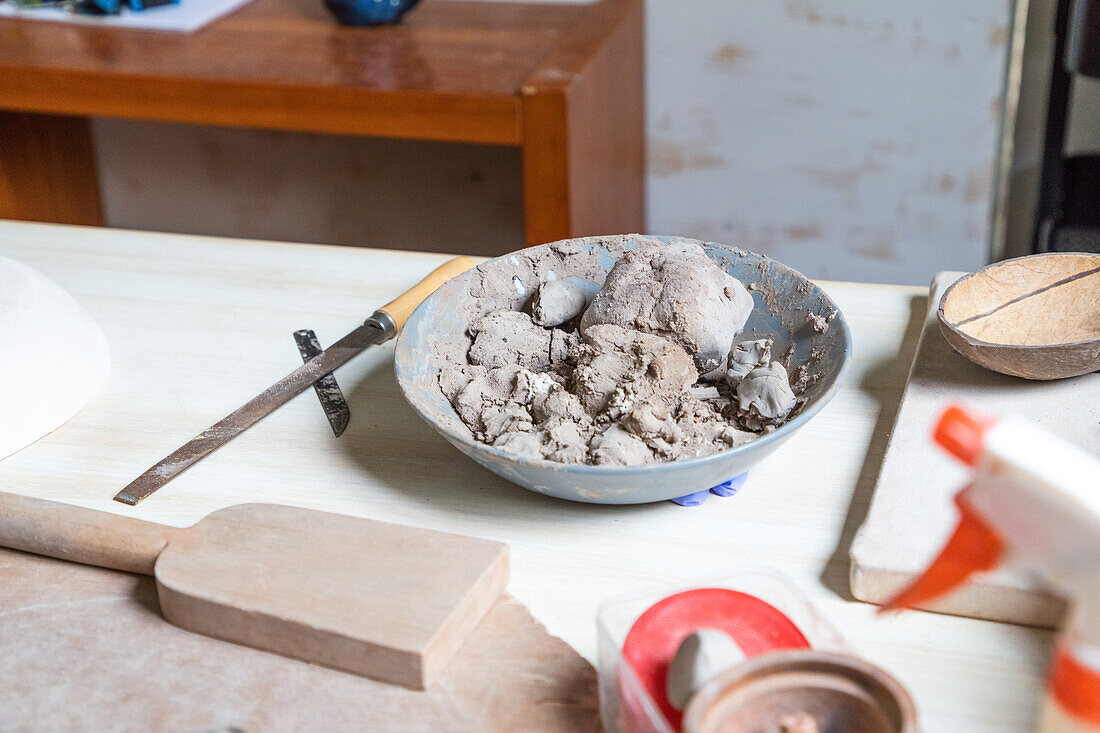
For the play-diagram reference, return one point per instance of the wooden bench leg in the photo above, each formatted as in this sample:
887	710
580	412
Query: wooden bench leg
584	135
47	169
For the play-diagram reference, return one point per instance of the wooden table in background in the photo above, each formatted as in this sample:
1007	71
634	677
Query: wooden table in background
563	82
198	324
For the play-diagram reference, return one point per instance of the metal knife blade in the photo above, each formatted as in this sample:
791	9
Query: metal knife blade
328	391
375	330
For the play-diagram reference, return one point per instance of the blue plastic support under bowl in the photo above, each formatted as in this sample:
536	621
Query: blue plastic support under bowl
438	324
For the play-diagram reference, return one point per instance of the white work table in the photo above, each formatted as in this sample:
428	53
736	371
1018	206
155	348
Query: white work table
199	325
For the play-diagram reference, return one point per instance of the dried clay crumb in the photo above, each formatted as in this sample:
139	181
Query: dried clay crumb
765	396
817	323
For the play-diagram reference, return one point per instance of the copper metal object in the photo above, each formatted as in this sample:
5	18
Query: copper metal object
769	693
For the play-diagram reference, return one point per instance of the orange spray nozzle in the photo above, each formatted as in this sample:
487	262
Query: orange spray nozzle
973	547
960	432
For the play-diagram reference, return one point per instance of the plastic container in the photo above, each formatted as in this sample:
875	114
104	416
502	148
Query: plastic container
626	704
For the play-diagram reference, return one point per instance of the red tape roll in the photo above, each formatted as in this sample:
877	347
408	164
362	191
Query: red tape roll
756	626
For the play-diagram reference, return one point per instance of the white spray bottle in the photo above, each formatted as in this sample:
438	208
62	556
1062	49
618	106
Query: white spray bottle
1035	502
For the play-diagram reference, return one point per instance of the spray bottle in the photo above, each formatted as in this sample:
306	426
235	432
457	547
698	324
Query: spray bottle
1034	501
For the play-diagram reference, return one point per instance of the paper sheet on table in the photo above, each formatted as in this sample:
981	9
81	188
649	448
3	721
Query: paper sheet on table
187	16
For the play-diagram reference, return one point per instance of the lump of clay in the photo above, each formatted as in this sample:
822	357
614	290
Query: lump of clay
649	420
746	356
565	440
492	401
469	387
520	443
629	367
511	337
765	396
617	447
532	386
562	345
485	403
558	403
675	291
701	657
556	302
496	420
703	430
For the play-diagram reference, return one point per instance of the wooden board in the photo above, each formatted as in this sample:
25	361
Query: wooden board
86	649
912	513
390	602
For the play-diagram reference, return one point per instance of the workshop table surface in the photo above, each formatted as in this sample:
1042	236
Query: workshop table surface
198	325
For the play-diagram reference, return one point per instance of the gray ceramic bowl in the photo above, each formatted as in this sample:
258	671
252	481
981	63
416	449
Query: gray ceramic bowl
783	299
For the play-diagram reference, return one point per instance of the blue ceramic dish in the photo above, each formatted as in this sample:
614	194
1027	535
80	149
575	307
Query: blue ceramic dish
783	299
369	12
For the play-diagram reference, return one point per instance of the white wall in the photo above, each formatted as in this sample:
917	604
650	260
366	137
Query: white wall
852	139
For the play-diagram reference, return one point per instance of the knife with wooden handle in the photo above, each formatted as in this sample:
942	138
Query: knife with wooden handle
383	325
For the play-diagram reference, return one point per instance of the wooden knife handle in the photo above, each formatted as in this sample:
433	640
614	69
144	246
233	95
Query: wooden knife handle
88	536
400	308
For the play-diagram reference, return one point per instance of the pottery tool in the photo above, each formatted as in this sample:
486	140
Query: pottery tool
381	600
1035	317
383	325
328	391
87	636
912	510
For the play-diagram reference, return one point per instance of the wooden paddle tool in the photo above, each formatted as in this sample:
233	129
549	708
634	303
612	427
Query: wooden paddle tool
381	600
